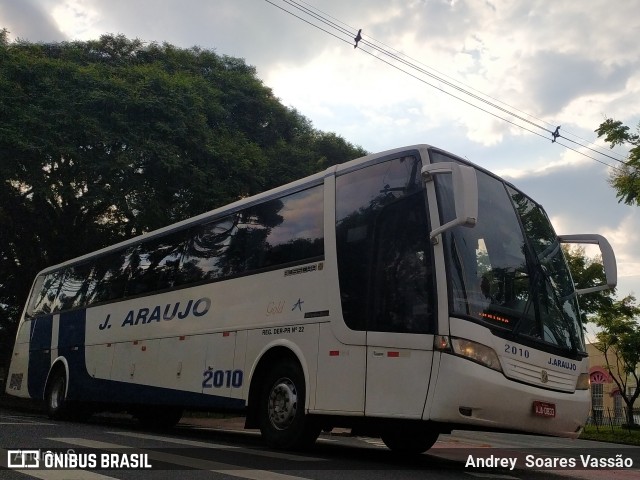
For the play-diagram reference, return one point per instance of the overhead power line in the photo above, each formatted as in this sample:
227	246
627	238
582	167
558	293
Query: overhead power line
596	149
311	15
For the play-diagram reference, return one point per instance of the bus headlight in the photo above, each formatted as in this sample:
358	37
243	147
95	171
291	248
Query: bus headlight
583	382
473	351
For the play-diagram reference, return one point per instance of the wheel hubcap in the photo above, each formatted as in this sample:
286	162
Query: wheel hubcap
283	403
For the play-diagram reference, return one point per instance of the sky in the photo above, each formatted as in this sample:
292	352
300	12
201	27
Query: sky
552	63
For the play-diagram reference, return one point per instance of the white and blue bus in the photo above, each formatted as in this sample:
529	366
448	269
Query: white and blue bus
401	294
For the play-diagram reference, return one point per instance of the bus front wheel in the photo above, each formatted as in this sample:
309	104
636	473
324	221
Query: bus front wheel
283	421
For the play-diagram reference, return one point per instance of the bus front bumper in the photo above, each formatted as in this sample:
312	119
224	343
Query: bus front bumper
467	393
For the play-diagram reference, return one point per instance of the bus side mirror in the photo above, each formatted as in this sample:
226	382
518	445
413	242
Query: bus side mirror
608	259
465	193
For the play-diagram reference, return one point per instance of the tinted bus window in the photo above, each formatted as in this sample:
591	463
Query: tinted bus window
277	232
74	286
154	264
46	299
403	281
205	250
109	277
285	230
360	196
36	295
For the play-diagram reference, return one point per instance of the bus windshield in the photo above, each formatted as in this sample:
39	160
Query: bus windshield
509	272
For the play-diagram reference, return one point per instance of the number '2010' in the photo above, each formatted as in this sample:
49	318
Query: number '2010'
513	350
222	378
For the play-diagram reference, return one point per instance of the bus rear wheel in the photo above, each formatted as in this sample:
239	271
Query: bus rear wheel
283	421
56	396
58	405
409	442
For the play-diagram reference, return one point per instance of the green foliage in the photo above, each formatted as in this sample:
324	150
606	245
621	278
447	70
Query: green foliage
618	336
606	433
621	332
107	139
619	341
586	273
626	180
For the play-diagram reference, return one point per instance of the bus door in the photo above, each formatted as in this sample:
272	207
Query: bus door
402	315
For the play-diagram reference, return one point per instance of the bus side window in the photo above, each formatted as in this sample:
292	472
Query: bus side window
37	295
74	287
45	293
280	231
108	277
206	249
154	263
403	295
285	230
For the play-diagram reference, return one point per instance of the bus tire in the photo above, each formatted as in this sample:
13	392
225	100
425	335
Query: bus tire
281	413
56	396
409	442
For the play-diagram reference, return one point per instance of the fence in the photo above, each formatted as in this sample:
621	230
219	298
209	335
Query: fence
613	417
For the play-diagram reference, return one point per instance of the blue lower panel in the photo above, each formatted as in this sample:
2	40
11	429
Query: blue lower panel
84	387
108	391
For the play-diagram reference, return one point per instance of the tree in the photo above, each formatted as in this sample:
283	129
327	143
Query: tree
107	139
625	179
619	342
589	272
618	336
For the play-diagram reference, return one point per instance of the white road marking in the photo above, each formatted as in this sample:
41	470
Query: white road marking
327	440
66	475
190	462
21	420
223	430
376	442
25	423
216	446
491	475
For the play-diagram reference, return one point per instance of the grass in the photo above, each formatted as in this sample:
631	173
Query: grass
615	434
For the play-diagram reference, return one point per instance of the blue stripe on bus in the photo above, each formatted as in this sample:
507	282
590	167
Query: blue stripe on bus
72	329
39	355
110	391
71	338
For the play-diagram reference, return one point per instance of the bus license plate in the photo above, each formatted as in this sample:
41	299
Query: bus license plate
544	409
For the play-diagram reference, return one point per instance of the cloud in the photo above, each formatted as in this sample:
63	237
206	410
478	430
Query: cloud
30	20
562	62
625	238
578	199
76	18
555	79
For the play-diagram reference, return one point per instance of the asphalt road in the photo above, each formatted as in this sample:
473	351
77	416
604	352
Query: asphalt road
218	448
